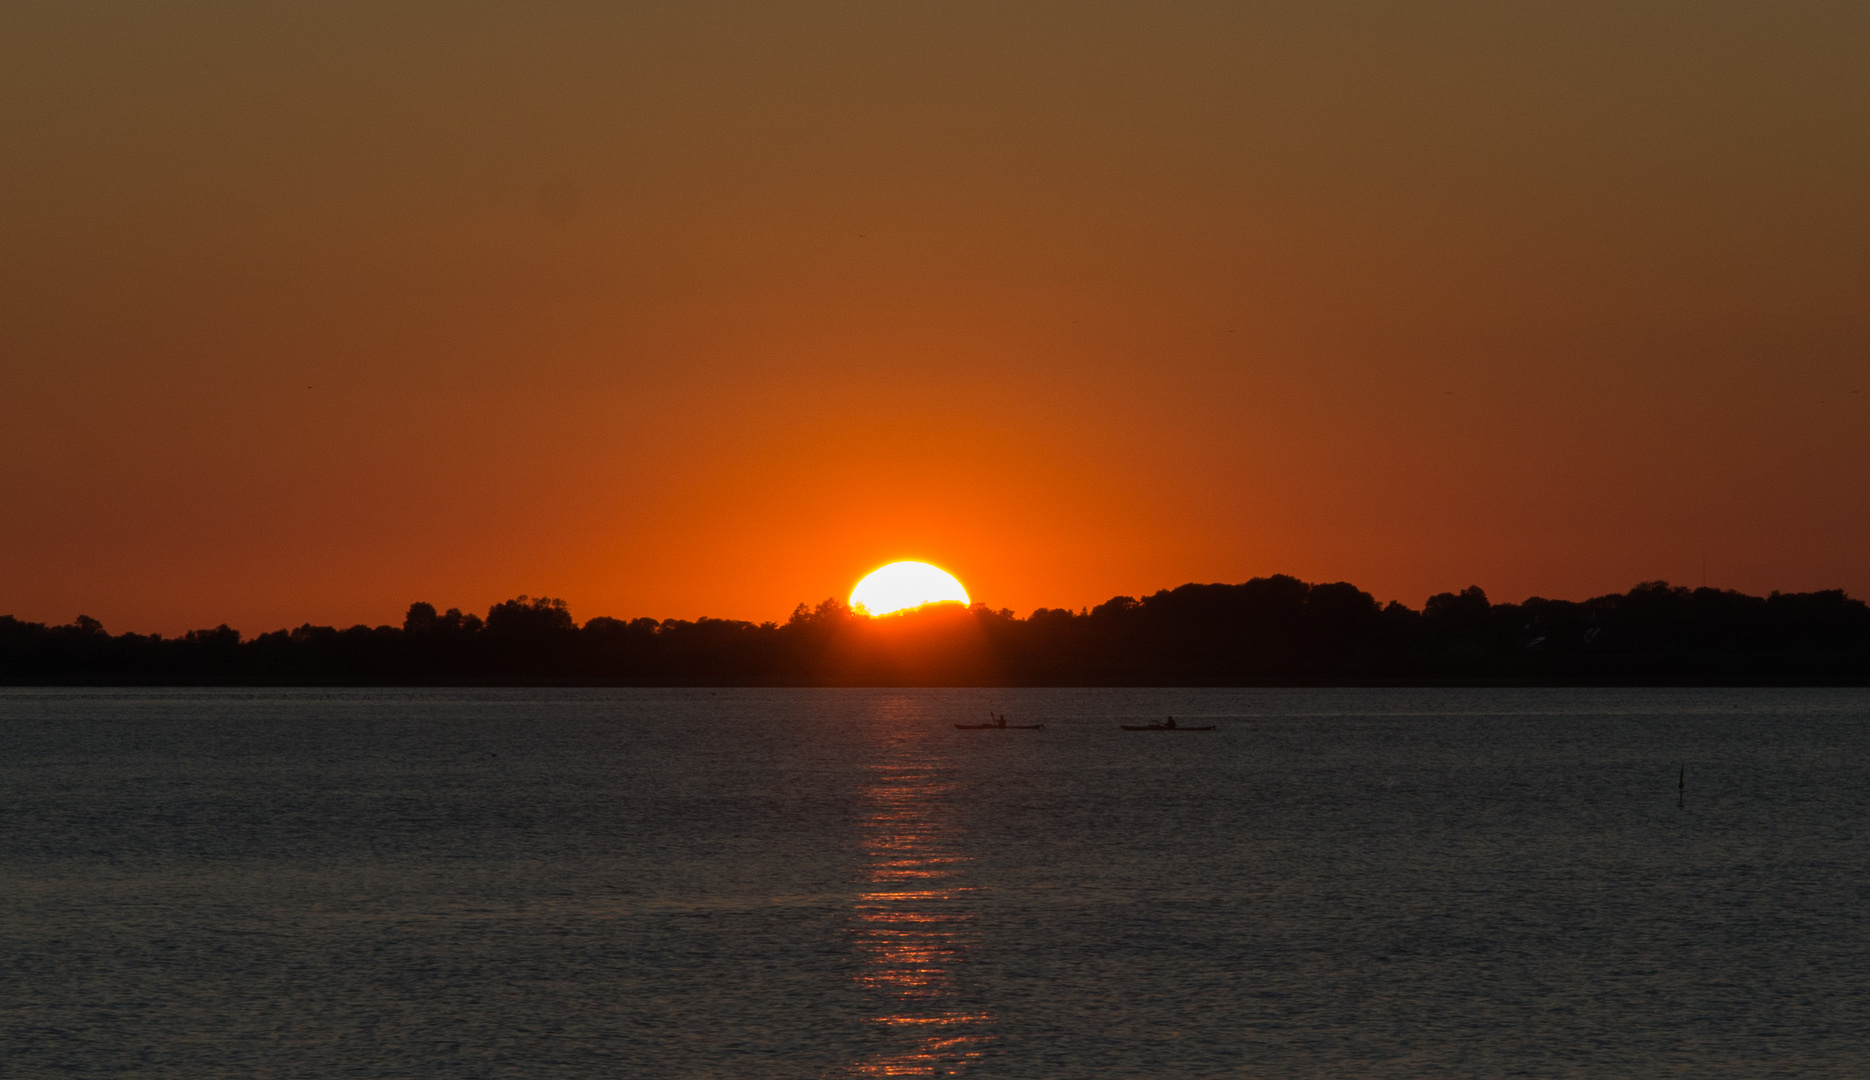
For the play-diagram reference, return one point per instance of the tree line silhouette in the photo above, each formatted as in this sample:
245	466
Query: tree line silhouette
1266	632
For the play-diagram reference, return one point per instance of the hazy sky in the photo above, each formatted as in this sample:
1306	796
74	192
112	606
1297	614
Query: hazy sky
308	311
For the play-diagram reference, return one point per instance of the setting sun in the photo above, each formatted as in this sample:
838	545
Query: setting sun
904	585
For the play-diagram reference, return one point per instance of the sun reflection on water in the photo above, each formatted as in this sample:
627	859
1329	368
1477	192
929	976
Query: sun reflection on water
912	927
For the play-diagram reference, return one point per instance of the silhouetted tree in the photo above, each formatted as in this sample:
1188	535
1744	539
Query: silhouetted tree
1270	630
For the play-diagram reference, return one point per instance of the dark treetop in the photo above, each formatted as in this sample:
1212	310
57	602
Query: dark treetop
1268	631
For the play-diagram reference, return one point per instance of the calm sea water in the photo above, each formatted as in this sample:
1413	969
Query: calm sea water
573	883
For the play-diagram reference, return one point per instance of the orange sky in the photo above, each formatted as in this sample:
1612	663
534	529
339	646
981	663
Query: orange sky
709	308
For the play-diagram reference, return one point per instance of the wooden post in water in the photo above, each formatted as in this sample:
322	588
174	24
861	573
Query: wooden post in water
1681	786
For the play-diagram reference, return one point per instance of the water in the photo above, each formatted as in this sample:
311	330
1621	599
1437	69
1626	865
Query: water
572	883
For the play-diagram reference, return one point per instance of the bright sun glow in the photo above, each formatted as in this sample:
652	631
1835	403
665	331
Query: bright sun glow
904	585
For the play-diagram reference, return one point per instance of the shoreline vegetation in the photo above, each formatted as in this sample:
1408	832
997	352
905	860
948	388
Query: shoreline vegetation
1274	631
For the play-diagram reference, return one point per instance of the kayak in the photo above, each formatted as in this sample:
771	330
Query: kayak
1159	727
1000	727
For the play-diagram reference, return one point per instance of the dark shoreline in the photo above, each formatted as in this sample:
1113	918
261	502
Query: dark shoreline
1838	683
1269	632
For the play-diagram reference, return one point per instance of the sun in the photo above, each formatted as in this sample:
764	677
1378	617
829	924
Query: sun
904	585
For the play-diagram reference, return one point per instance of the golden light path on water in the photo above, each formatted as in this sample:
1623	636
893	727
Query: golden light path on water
909	925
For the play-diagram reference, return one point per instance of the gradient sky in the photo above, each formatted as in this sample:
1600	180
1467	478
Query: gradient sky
308	311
